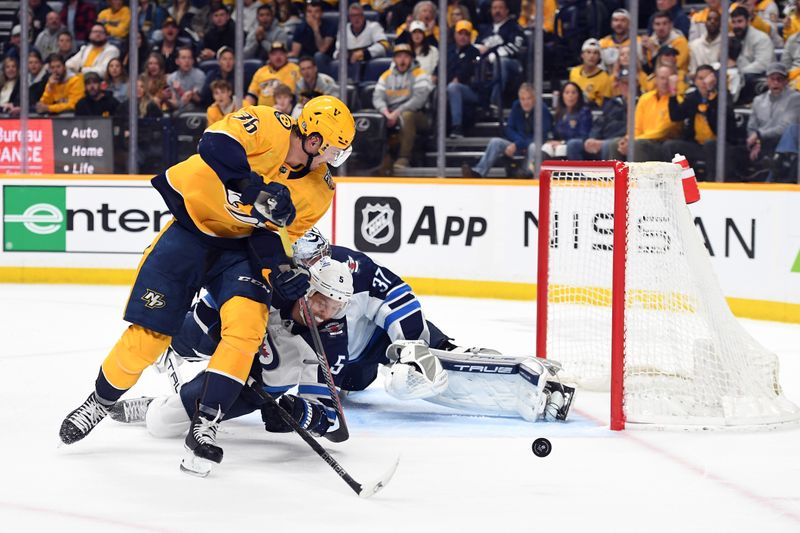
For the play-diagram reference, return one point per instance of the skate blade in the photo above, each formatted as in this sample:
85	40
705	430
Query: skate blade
195	466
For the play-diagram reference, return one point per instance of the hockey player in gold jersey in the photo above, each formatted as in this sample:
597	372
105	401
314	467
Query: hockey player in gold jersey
255	171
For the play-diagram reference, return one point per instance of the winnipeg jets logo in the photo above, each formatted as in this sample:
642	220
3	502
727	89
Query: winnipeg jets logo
264	353
154	299
332	328
352	264
377	224
234	208
267	357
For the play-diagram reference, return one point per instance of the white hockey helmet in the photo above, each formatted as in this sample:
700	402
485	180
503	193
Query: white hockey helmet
310	247
333	280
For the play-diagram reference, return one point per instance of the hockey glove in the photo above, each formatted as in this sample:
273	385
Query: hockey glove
310	415
414	371
290	285
272	202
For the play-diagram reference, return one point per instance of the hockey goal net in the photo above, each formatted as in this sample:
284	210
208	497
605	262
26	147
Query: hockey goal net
627	299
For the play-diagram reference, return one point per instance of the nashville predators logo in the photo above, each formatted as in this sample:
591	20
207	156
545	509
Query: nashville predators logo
154	299
284	119
235	208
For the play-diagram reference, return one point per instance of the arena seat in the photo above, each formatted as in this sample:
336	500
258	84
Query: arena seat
369	144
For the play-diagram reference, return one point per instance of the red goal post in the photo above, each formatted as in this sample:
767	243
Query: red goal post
627	300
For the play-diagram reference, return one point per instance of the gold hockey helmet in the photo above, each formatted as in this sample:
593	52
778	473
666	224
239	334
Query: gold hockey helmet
329	117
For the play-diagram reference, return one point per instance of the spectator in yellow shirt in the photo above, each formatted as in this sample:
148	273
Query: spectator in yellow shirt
527	18
663	34
116	18
277	70
791	24
94	55
594	82
666	56
223	101
63	89
619	38
652	120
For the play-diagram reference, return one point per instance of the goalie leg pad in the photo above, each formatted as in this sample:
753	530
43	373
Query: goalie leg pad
557	398
481	380
415	372
167	417
560	401
531	398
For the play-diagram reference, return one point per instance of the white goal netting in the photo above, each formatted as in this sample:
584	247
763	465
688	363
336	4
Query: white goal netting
687	360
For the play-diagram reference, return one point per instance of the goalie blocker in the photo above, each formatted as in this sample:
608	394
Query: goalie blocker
477	380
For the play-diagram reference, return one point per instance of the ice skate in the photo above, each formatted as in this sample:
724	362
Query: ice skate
82	420
201	445
130	411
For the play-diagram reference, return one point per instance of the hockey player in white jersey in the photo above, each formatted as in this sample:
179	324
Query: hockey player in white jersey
384	327
387	330
284	360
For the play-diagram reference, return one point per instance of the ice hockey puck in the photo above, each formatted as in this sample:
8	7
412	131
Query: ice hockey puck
541	447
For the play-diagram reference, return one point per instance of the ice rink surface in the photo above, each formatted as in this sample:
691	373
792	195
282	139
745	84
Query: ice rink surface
457	473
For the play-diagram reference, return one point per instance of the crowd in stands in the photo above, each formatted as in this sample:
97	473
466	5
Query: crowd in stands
79	64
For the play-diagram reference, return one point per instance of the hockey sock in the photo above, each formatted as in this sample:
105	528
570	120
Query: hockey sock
106	393
137	349
244	322
219	393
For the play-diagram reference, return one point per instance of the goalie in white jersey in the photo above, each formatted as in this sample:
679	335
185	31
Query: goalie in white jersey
383	326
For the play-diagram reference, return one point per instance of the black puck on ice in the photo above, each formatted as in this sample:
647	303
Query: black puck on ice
541	447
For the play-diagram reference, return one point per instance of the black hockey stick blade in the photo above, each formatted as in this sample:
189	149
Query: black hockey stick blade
365	490
369	489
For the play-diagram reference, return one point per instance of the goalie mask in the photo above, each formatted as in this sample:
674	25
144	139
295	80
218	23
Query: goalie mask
309	248
333	280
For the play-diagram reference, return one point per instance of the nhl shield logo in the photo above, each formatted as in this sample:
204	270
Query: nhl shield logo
377	224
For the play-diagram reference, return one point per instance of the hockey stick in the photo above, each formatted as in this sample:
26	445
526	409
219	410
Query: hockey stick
341	433
364	490
169	364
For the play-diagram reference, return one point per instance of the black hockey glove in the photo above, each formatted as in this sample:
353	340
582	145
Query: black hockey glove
290	285
310	415
271	202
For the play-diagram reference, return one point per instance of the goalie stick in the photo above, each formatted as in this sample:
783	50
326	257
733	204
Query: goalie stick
341	433
169	364
364	490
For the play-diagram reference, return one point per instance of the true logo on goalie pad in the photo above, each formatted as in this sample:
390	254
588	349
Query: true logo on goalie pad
481	369
154	299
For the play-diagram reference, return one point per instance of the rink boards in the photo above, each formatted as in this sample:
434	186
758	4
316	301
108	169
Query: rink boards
449	237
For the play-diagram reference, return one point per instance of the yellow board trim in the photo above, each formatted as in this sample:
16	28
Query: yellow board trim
741	307
503	290
98	276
